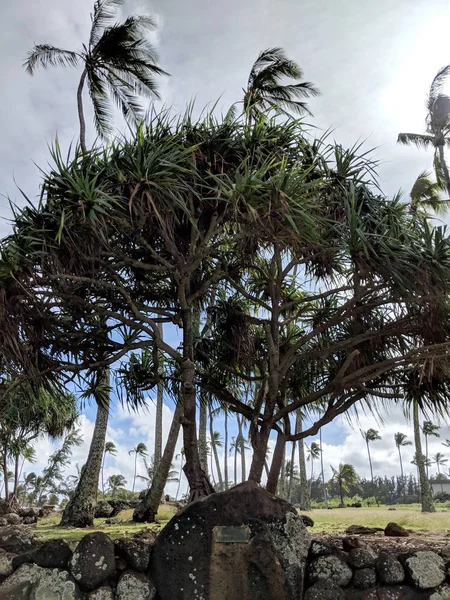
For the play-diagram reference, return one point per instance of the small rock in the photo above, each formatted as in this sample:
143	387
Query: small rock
135	585
31	582
442	593
27	512
103	510
52	554
121	564
364	578
320	549
103	593
5	507
361	558
390	570
307	521
329	567
395	530
12	519
29	520
136	552
425	569
361	530
17	540
3	522
392	508
113	521
397	592
324	590
93	560
350	543
6	564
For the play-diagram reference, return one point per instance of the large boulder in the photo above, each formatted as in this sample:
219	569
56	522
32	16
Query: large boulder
364	578
17	540
93	561
31	582
190	557
324	589
398	592
329	567
390	570
12	518
103	510
135	551
6	564
136	586
361	558
425	569
52	554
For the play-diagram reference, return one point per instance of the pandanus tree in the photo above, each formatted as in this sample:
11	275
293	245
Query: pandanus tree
118	64
437	134
371	435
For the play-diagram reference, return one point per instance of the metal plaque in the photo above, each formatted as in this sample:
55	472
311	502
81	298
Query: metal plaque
231	535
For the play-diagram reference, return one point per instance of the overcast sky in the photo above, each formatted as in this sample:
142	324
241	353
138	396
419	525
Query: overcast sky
373	62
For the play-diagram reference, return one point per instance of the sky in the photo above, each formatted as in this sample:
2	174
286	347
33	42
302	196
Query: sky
373	63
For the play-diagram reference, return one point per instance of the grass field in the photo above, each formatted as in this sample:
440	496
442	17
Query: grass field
48	528
409	516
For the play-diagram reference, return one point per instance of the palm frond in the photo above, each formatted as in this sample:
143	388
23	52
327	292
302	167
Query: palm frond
98	91
45	55
103	16
416	139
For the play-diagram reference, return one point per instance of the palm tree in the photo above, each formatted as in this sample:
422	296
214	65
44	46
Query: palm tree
401	441
159	406
325	498
110	448
151	469
446	443
429	429
371	435
425	194
225	451
181	457
421	460
439	460
235	445
265	88
118	63
139	450
313	454
305	501
116	482
437	127
345	477
216	442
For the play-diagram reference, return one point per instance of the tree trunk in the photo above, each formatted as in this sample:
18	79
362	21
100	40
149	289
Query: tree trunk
240	421
341	494
199	484
370	465
427	500
103	467
291	473
426	454
225	452
214	450
401	472
135	468
312	475
305	502
260	443
277	461
16	474
81	112
146	511
235	462
80	509
202	438
159	412
5	470
325	496
444	167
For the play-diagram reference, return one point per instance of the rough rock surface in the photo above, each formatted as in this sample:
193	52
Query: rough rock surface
395	530
364	578
17	540
324	590
425	569
12	518
52	554
390	570
320	549
103	510
93	560
31	582
350	543
181	556
360	558
361	530
308	522
136	586
443	593
135	551
329	567
29	520
367	594
113	521
398	592
3	522
6	564
102	593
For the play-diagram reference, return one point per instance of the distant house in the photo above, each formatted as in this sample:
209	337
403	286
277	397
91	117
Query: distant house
440	486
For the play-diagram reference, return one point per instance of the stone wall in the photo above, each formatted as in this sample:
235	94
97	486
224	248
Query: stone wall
352	570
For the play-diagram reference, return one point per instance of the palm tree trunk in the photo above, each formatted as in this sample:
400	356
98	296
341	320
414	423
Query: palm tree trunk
240	421
370	465
312	474
179	477
444	167
159	412
202	439
214	450
305	502
235	462
225	452
103	467
135	468
401	472
291	473
16	473
80	111
325	496
5	470
80	509
341	494
199	484
147	509
426	453
427	501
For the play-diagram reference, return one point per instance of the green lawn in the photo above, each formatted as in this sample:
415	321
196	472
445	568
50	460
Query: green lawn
48	528
408	515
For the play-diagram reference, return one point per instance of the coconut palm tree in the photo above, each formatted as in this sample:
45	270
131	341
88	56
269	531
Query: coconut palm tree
345	477
225	450
446	443
439	460
116	482
426	194
371	435
265	88
216	442
313	454
401	441
151	469
110	448
421	460
28	454
118	63
437	127
180	457
325	497
139	450
429	430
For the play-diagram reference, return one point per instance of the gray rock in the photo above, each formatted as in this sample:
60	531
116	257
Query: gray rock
329	567
135	585
6	564
361	558
324	590
12	519
52	554
395	530
31	582
135	551
425	569
443	593
390	571
93	560
364	578
368	594
29	520
307	521
113	521
103	510
398	592
320	549
103	593
17	540
3	522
